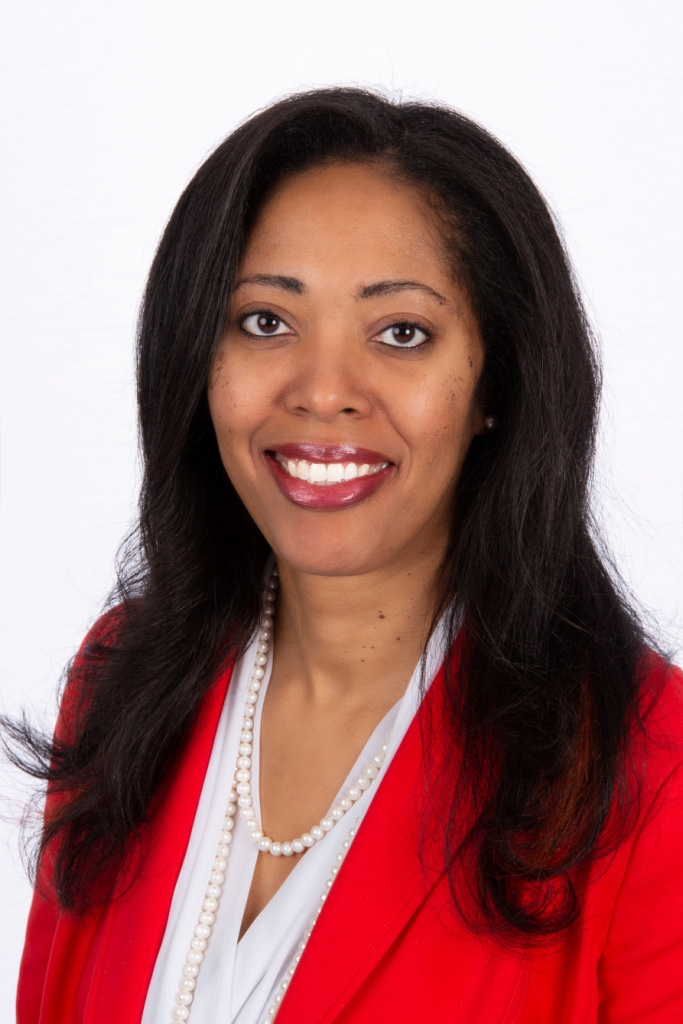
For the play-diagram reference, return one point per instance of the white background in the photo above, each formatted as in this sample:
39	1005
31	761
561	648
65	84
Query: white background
108	108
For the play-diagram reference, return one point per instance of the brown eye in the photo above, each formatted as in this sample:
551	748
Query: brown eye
263	325
405	335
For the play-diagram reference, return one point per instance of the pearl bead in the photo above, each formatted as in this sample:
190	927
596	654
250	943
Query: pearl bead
232	798
384	748
255	684
249	713
217	878
362	782
258	673
181	1013
199	944
251	698
244	762
287	849
260	659
190	970
185	998
207	917
220	864
242	775
327	824
276	849
189	984
265	634
213	892
202	931
336	813
210	905
262	648
265	844
317	832
195	956
251	825
307	839
372	771
246	736
378	759
229	823
298	846
256	834
345	803
354	793
245	805
245	748
334	871
223	848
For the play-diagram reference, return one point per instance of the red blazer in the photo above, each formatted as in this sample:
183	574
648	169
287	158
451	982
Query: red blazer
387	945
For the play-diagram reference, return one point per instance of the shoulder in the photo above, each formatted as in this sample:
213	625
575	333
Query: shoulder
100	638
639	967
659	742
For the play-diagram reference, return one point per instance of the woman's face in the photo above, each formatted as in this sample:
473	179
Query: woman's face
342	393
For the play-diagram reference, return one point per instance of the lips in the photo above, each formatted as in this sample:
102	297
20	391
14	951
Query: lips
327	477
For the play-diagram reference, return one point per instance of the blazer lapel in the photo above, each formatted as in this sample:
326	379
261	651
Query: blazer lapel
381	884
136	921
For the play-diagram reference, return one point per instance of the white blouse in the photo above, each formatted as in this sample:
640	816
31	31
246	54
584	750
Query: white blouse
238	980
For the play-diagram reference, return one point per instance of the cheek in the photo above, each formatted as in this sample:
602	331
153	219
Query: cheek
235	402
440	418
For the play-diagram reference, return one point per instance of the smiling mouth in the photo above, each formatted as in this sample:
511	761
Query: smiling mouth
330	477
326	474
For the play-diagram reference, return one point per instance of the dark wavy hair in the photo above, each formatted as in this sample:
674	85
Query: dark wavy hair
546	696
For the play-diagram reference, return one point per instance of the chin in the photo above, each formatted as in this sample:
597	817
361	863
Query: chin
345	558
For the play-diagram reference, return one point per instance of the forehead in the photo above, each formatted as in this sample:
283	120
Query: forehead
348	213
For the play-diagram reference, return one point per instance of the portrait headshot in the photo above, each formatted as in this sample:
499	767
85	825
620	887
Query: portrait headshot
342	514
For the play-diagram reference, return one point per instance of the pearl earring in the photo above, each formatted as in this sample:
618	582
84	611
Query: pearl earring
491	422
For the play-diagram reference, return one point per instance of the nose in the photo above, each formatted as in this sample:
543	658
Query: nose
328	381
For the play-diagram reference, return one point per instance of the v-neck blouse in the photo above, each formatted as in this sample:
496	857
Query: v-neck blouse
238	980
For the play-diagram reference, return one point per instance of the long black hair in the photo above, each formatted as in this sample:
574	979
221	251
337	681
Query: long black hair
544	701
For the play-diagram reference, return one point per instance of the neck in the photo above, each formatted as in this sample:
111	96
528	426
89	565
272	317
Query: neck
352	639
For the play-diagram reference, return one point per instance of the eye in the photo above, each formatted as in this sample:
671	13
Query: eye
405	335
263	324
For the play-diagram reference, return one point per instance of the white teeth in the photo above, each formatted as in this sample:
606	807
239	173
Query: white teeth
322	473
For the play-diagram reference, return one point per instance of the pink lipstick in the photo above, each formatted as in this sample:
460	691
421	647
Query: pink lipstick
327	477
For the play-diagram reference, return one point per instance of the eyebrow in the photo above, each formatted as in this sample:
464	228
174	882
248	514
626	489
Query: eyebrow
367	291
289	284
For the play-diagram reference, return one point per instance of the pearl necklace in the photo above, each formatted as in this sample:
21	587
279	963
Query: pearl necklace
241	799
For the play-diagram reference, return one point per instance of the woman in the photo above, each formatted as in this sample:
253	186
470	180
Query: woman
370	732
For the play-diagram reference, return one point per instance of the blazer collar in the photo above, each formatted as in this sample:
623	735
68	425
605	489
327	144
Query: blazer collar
382	882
